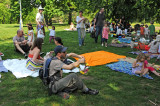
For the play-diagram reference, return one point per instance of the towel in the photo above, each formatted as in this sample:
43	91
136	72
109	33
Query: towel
100	58
125	67
17	67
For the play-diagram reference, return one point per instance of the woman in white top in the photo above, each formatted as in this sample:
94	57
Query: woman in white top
81	28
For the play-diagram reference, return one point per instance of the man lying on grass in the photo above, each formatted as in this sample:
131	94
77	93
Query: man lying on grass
63	86
20	43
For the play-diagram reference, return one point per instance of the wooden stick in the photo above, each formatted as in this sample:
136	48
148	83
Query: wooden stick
153	103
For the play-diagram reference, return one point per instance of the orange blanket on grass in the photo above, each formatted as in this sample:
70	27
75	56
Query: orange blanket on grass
100	58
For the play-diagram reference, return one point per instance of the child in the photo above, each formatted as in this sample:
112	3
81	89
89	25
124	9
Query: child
147	66
138	65
41	32
30	35
105	32
52	33
146	32
142	30
119	31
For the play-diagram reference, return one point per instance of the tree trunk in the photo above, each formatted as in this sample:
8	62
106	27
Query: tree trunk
70	18
46	18
50	21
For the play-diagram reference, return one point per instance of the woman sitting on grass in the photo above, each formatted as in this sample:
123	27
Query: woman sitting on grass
138	65
35	61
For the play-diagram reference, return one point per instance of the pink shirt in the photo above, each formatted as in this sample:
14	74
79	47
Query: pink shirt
145	63
105	32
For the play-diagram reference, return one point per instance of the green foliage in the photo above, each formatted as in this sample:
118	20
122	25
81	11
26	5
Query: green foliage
61	10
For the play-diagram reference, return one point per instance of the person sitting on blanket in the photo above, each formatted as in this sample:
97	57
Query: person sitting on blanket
62	86
20	43
35	61
150	68
154	45
138	65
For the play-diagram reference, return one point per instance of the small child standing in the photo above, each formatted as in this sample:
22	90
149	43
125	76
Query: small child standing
150	68
52	33
41	31
105	33
30	35
138	65
146	31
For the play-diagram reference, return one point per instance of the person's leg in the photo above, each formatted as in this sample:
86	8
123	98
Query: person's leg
83	35
145	71
50	38
97	32
79	36
156	73
72	80
105	42
100	31
19	48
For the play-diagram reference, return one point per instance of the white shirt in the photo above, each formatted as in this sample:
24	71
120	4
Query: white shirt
119	32
146	32
39	17
40	34
29	36
81	24
52	32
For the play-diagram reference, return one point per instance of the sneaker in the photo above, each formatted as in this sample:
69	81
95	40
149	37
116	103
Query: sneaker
102	44
25	55
92	92
64	95
105	44
41	53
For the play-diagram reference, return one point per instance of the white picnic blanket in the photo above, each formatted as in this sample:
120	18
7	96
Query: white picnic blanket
17	67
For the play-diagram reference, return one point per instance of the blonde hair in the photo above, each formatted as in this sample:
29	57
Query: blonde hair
140	56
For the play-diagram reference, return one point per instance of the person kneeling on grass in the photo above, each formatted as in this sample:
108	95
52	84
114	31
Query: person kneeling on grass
63	86
138	65
20	43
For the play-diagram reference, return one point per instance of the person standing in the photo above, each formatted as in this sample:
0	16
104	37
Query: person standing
99	23
40	18
81	28
152	31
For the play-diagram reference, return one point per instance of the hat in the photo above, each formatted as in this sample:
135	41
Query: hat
59	49
40	8
158	38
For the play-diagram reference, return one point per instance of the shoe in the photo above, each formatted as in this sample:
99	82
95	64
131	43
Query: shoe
64	95
105	44
102	44
25	55
41	53
92	92
50	89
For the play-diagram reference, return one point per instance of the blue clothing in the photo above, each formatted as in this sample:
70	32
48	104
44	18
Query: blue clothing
138	68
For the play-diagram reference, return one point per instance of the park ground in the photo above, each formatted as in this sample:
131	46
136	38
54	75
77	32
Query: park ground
115	88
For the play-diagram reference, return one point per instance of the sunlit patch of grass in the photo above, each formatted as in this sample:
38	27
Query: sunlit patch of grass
113	86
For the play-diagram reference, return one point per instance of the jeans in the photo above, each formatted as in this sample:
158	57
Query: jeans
81	35
98	31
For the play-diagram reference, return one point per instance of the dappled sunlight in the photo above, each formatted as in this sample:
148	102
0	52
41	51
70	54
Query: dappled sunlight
108	97
113	86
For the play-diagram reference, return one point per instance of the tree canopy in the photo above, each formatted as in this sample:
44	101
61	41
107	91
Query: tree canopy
66	10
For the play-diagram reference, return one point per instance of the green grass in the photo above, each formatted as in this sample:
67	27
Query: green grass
115	88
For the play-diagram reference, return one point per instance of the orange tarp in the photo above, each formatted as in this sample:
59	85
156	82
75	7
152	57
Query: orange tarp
101	58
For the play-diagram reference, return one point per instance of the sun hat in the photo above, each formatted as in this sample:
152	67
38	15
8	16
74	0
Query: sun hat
40	8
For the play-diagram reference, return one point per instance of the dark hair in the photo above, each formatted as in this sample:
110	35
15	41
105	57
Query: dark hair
58	39
155	43
53	27
80	11
37	43
30	27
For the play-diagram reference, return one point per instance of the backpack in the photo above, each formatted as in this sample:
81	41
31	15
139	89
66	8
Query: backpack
44	73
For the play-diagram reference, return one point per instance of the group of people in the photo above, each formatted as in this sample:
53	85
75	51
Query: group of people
58	84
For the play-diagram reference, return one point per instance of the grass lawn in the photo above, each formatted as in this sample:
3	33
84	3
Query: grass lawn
115	88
